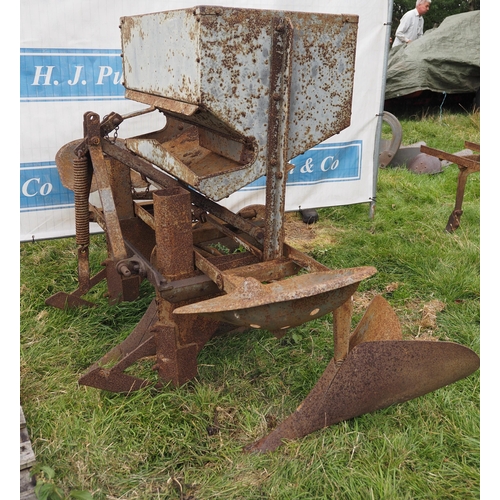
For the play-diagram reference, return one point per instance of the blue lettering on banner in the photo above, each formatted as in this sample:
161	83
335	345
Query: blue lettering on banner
71	74
336	162
41	188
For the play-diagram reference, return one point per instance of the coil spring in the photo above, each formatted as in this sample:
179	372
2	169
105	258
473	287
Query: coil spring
81	187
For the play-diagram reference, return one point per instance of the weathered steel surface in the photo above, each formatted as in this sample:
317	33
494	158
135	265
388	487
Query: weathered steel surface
65	158
342	317
423	163
115	379
113	230
282	304
277	136
219	61
467	165
108	372
174	237
63	300
379	322
375	375
389	148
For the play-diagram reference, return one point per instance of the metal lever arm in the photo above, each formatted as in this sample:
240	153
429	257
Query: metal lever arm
92	128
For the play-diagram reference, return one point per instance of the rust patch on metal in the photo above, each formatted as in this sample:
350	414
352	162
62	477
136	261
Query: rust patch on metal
375	375
467	165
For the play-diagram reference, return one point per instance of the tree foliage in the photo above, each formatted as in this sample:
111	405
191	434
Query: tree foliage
438	11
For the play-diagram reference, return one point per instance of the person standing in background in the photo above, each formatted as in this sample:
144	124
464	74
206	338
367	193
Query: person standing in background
411	26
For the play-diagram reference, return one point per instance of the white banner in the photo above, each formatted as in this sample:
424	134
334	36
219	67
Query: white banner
70	63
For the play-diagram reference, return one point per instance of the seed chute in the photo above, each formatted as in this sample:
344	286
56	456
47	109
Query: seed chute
241	91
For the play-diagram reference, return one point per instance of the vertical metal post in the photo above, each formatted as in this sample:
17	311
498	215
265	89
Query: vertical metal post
174	236
277	136
175	354
341	331
378	133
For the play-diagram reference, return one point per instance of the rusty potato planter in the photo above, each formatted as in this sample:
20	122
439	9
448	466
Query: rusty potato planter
241	92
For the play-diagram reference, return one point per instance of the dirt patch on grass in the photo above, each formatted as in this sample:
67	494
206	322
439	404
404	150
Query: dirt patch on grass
298	234
303	237
307	237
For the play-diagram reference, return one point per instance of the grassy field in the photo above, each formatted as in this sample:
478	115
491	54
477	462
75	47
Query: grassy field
158	445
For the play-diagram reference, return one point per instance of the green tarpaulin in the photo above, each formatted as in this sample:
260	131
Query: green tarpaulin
445	59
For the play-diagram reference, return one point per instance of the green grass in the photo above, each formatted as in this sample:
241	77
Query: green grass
155	444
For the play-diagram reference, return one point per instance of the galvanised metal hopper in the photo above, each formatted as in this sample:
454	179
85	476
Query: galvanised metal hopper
228	74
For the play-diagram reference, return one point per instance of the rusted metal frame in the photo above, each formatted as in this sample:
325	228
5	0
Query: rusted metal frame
140	343
472	145
227	262
109	123
113	378
209	248
97	216
141	166
61	300
227	216
454	219
173	291
277	136
115	191
83	210
163	179
174	242
120	182
140	334
177	344
205	233
231	234
144	214
222	281
94	280
138	264
123	283
113	231
303	260
188	289
467	165
175	352
462	161
230	279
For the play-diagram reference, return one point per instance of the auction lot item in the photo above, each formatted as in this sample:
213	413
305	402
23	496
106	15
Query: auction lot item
240	90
